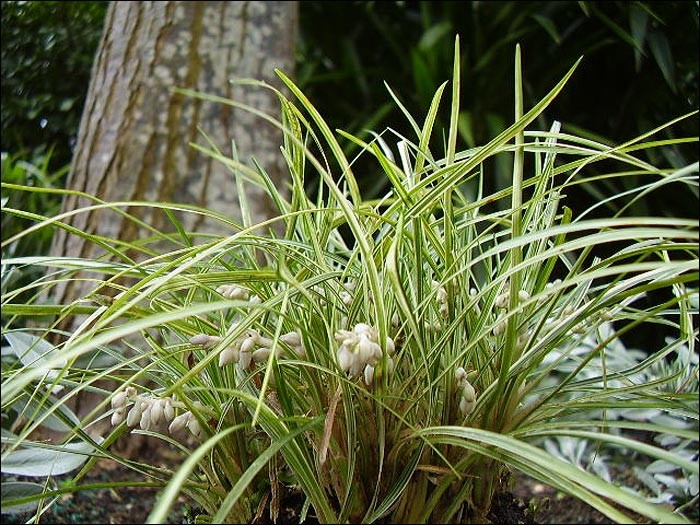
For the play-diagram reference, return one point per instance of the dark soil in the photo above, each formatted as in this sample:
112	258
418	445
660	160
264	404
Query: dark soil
530	503
133	505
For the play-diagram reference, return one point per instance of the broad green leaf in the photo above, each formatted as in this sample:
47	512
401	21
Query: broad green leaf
41	462
638	26
33	351
30	408
660	48
14	490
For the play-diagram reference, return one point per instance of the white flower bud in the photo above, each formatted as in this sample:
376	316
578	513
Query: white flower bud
390	348
357	367
343	335
345	358
500	328
362	328
244	358
255	300
194	426
346	298
523	295
145	422
261	354
130	391
369	375
460	376
466	407
441	295
502	300
468	392
233	291
207	341
120	399
134	415
168	409
179	423
265	341
444	311
228	355
291	338
248	344
199	339
365	348
157	411
118	416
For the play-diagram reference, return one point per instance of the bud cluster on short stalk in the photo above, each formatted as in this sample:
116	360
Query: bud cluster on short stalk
345	294
465	391
503	302
441	299
151	412
251	347
146	412
360	352
233	291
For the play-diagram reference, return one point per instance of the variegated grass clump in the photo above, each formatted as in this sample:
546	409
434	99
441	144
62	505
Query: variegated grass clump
392	357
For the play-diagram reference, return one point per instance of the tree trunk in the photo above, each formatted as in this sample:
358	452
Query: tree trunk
134	133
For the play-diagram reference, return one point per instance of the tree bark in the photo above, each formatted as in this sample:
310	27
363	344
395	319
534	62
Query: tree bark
134	133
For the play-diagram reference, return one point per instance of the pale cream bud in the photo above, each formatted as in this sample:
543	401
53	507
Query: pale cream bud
248	344
179	423
134	415
145	422
502	300
194	426
228	355
369	375
390	348
118	416
157	411
291	338
261	354
168	409
120	399
345	358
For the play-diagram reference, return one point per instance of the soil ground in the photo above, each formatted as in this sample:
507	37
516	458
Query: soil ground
531	502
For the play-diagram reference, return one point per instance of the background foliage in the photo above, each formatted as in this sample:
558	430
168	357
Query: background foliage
640	68
47	54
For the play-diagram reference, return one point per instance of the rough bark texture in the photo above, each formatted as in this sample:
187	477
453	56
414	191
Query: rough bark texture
134	134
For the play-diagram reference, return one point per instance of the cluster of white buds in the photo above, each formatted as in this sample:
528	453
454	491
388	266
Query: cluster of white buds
294	342
243	350
251	346
503	302
467	394
441	299
233	291
185	420
345	293
146	412
503	299
360	351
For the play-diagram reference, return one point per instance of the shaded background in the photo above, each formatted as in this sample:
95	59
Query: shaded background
640	65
